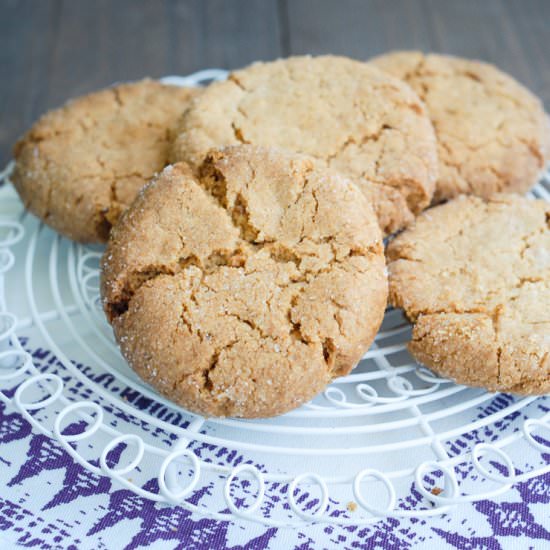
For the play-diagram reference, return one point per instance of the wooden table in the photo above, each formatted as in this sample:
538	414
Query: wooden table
51	50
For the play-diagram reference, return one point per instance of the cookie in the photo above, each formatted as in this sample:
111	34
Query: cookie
81	165
243	288
473	275
493	134
348	115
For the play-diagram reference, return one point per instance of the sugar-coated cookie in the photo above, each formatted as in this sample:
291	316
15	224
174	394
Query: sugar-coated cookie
493	134
81	165
242	288
348	115
473	275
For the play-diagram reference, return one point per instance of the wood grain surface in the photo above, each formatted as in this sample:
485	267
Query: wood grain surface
51	50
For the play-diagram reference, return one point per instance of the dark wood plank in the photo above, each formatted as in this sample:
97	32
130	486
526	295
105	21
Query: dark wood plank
28	35
530	27
54	50
356	28
229	34
103	42
511	34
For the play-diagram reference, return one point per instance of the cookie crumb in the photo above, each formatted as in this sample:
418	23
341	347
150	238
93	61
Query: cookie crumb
351	506
436	491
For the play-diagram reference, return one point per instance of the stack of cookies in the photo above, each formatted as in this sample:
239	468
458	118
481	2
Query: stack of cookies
245	267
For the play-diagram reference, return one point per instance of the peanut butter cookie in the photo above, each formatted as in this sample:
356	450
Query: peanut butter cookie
244	287
81	165
348	115
473	275
493	134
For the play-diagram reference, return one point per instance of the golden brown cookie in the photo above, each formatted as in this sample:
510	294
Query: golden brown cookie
346	114
244	288
493	134
81	165
473	275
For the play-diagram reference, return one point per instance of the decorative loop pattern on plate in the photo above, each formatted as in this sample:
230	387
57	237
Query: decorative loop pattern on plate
245	512
172	496
402	386
126	439
8	324
89	431
7	360
11	232
529	426
428	376
321	508
7	259
34	382
487	448
380	476
450	492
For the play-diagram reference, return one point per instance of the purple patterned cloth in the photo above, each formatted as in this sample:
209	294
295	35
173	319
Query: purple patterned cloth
48	501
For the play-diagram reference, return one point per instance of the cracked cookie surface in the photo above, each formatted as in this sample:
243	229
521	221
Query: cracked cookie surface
493	134
244	287
81	165
473	275
348	115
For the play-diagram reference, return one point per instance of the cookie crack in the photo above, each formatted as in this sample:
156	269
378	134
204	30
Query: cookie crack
137	278
104	224
206	374
329	355
49	195
413	315
417	71
488	90
184	317
37	136
295	331
533	149
238	134
316	207
132	283
233	78
235	258
421	85
214	183
282	254
117	97
449	162
240	214
328	345
351	140
539	231
538	376
339	321
495	317
251	324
